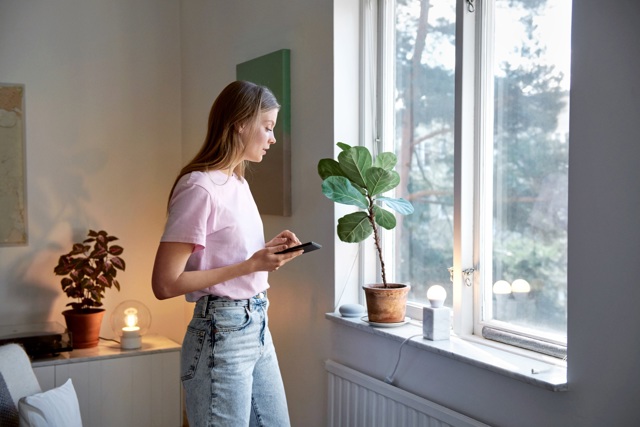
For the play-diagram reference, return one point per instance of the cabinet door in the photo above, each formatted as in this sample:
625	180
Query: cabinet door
46	376
142	390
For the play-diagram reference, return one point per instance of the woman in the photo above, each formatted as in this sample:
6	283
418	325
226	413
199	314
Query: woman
213	252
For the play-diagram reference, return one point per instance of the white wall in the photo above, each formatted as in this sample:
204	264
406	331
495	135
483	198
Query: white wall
118	94
103	126
217	35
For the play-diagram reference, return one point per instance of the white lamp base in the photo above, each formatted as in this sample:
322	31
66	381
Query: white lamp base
436	323
131	340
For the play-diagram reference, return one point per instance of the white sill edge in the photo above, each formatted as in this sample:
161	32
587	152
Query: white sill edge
531	371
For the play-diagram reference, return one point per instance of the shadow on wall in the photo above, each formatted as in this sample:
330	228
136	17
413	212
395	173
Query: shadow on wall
58	213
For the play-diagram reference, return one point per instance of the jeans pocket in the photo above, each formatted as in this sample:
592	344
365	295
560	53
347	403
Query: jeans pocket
192	346
229	319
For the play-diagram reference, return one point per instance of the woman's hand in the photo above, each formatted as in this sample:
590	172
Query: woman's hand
267	260
286	238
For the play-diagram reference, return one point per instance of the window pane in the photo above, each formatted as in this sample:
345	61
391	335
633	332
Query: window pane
424	124
530	161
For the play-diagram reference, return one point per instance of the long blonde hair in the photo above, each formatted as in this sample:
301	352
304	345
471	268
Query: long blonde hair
238	105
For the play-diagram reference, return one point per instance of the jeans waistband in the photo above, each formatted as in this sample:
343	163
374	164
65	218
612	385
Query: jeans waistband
207	303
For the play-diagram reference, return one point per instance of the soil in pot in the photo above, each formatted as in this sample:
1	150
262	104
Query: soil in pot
84	326
386	305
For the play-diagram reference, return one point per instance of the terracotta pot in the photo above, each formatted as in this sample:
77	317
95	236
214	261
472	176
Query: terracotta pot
386	305
84	326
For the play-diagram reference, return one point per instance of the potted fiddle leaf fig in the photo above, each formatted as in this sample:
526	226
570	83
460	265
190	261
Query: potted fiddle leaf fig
358	179
88	270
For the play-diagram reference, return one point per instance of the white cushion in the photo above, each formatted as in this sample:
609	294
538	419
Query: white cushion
53	408
16	370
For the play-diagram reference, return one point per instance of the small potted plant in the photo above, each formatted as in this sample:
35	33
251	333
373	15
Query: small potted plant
358	179
88	271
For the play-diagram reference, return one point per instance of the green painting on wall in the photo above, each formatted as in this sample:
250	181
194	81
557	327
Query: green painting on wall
270	180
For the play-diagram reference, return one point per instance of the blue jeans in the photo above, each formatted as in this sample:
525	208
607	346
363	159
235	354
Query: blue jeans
229	367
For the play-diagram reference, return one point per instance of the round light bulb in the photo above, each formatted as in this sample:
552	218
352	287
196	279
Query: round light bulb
131	317
520	285
130	320
501	287
436	296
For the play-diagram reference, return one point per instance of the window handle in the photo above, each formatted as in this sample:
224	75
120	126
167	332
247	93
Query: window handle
467	275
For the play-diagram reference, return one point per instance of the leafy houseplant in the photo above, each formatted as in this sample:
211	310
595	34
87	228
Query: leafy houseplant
358	179
88	271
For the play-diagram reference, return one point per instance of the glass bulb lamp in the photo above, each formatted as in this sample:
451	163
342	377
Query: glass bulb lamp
130	320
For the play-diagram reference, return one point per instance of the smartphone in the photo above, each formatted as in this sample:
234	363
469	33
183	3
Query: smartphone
307	247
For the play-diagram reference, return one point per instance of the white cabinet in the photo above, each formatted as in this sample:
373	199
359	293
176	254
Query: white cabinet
118	388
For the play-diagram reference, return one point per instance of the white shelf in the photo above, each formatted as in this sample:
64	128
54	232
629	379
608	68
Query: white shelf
121	387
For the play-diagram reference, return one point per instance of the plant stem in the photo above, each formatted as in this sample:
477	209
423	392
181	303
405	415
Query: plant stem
376	239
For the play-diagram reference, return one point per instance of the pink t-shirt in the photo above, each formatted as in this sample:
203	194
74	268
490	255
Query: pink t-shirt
218	215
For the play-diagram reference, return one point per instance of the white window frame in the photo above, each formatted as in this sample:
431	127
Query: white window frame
472	91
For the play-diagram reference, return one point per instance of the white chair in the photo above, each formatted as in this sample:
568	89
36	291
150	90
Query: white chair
16	371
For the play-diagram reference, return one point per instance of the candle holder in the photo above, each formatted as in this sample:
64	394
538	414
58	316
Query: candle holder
130	320
436	319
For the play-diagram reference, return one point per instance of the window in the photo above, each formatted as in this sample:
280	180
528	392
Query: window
473	98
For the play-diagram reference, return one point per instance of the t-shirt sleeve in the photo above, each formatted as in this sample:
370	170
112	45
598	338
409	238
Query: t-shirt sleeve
189	212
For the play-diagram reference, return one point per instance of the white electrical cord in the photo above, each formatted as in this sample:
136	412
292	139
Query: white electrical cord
389	378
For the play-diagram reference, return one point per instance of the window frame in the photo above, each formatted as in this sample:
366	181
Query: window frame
473	89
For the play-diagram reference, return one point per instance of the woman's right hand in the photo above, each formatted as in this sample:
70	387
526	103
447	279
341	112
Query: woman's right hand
267	260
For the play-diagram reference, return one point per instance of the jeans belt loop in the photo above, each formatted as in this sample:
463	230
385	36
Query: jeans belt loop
205	306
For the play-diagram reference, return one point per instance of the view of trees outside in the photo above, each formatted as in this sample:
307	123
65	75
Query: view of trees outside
528	226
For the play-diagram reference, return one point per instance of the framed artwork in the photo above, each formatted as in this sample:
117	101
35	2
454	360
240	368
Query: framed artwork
270	180
13	212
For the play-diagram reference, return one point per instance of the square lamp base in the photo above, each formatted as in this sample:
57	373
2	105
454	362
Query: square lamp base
436	323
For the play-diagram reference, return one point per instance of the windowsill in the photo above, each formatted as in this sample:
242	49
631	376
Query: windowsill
529	370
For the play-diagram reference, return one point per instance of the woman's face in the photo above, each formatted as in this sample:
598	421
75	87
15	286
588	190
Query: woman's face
261	138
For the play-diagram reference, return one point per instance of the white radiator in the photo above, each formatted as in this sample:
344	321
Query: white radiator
357	400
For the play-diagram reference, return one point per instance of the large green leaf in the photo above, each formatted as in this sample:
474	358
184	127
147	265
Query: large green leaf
386	161
399	205
354	163
379	180
340	190
384	218
354	227
343	146
329	167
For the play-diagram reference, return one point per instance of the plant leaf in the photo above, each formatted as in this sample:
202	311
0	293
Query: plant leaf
384	218
354	227
116	250
98	252
78	248
102	281
354	163
329	167
386	161
66	282
118	263
340	190
399	205
380	180
343	146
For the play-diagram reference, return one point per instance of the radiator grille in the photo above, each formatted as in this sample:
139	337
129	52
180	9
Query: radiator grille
357	400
